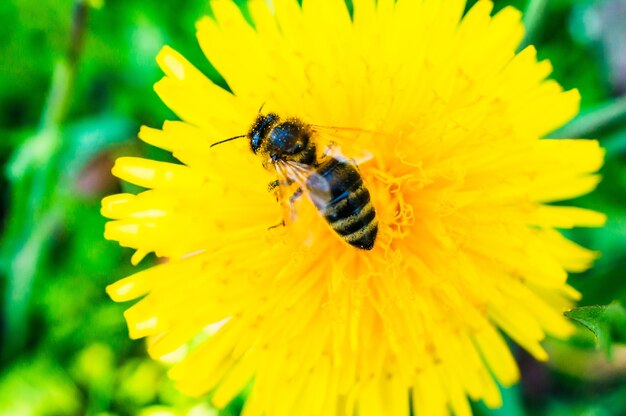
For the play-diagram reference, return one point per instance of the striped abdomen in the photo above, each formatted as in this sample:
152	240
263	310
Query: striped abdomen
349	211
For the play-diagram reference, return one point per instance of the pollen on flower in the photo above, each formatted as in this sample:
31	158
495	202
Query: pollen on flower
461	175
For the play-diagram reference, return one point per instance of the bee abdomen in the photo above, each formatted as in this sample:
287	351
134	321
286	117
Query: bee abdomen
355	221
353	217
360	228
365	237
349	211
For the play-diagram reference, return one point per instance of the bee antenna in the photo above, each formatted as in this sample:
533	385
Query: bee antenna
227	140
261	108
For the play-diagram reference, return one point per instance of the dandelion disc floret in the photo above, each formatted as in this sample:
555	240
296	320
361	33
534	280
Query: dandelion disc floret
462	175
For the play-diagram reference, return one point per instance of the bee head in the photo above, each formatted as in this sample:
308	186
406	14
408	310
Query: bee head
260	129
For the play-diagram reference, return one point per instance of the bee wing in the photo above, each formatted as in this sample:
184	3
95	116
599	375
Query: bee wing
310	182
344	133
358	157
286	191
346	144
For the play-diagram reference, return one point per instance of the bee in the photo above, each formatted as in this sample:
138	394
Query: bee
332	183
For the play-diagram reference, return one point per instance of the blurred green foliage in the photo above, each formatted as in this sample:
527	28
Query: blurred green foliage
65	349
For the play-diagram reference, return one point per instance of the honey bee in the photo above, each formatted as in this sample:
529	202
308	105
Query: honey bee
332	183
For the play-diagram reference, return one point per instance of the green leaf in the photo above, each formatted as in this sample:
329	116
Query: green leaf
607	323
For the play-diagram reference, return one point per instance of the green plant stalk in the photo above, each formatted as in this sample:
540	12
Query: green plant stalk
65	72
33	172
592	122
534	15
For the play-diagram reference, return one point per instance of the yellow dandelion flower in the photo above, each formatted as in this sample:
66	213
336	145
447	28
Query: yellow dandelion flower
460	176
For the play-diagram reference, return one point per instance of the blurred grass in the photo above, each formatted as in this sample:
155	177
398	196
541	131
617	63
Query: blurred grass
65	345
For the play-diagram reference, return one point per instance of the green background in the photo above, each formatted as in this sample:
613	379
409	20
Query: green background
76	84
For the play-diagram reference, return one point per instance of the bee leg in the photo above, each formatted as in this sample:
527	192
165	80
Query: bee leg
292	202
328	149
295	196
280	224
288	211
273	185
276	183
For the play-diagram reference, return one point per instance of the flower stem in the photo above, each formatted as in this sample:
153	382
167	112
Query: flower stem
533	17
65	70
594	121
